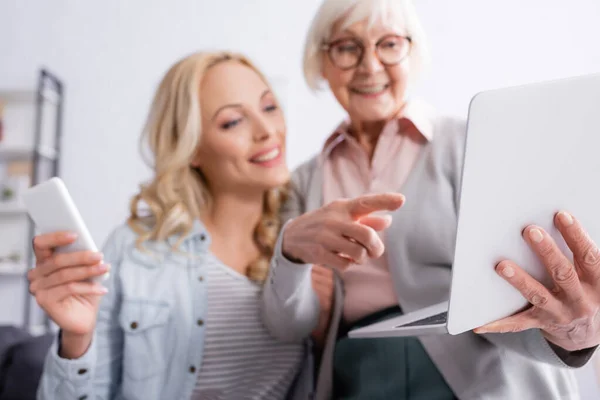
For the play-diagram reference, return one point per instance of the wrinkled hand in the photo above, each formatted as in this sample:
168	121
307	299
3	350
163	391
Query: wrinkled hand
59	284
323	284
569	314
340	233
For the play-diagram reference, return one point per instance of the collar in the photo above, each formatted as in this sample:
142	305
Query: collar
198	234
416	112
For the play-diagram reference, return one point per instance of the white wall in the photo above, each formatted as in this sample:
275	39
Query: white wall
478	45
111	54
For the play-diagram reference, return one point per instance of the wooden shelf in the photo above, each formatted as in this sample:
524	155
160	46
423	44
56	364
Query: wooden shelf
12	269
12	209
20	153
26	96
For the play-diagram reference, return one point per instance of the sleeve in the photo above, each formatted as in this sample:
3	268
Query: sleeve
96	374
532	344
290	307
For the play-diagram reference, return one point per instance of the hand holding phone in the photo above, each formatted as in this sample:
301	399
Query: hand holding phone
69	268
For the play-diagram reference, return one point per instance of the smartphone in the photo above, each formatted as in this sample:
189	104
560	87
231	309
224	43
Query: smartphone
52	209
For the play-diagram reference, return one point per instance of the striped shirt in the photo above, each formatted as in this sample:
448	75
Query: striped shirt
241	359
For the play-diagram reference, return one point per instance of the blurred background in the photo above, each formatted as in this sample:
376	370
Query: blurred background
103	60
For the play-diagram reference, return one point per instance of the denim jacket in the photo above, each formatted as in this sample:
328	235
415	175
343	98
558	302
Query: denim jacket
148	341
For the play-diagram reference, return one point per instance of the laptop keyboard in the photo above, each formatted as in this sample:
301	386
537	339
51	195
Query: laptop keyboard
433	320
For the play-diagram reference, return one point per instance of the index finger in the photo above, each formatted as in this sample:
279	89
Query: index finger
67	260
363	205
49	241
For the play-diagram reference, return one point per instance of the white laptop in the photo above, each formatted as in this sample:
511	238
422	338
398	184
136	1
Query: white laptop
531	151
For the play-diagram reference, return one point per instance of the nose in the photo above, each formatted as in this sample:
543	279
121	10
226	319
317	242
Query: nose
263	129
370	62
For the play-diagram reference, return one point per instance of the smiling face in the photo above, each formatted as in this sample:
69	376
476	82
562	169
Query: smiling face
371	91
242	146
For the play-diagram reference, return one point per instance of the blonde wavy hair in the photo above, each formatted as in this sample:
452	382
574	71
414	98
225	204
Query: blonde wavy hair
170	202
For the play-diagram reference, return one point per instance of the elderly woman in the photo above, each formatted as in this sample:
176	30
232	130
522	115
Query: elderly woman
369	52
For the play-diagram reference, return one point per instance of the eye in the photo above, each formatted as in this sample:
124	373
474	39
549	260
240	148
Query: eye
271	108
389	44
347	47
231	124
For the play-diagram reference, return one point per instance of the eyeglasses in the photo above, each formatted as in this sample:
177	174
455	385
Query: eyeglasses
348	53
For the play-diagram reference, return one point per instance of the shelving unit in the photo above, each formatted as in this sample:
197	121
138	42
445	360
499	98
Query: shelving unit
42	154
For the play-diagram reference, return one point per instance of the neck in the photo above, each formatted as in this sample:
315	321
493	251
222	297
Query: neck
367	133
231	221
233	217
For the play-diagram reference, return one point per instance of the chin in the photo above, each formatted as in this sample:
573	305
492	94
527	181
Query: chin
374	115
280	180
370	111
273	180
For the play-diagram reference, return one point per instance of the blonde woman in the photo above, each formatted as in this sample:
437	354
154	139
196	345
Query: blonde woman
369	53
179	316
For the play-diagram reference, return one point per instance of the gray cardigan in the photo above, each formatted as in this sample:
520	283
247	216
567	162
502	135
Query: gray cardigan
419	248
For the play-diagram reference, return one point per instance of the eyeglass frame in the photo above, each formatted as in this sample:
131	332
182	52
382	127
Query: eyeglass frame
328	46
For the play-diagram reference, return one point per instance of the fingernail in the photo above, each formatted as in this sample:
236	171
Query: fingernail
536	235
508	272
97	256
102	290
565	218
103	267
71	235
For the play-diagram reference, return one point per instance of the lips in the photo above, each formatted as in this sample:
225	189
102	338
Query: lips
267	155
369	90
